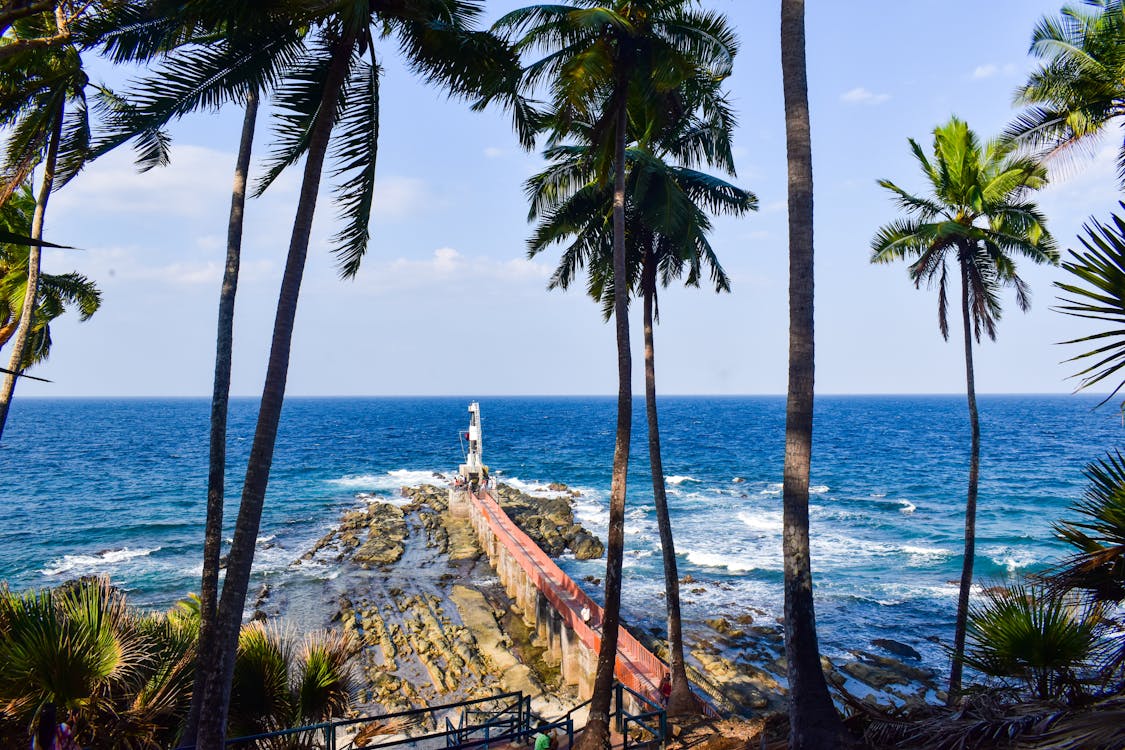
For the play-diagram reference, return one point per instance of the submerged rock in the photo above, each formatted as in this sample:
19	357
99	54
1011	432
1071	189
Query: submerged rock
900	650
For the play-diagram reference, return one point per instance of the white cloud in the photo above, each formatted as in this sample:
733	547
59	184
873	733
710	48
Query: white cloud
399	197
860	95
186	187
447	265
988	70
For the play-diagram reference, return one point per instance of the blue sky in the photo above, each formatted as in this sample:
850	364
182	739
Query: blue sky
447	303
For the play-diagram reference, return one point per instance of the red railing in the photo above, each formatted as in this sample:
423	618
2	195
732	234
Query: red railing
636	667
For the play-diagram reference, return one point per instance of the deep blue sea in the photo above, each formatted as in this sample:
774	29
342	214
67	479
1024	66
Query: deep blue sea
118	487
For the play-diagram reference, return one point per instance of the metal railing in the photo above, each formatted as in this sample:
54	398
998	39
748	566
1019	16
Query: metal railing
513	720
650	727
635	666
323	736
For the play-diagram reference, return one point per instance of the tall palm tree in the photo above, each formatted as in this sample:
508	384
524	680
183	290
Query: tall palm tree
212	53
597	59
333	87
43	106
1080	87
665	235
977	215
813	722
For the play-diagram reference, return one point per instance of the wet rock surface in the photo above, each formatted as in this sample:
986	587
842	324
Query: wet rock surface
549	521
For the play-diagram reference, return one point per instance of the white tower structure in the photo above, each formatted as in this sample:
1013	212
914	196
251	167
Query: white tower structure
473	470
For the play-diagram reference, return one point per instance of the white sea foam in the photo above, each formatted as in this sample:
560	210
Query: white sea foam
879	494
907	506
676	479
818	489
718	560
773	489
769	521
388	482
96	561
540	489
926	552
1011	558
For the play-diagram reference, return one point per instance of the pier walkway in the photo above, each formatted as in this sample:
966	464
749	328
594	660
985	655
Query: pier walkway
516	556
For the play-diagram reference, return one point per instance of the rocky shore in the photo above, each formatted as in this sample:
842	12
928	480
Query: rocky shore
435	625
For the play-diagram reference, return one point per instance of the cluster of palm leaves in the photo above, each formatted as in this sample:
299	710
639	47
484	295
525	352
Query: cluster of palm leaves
57	292
123	677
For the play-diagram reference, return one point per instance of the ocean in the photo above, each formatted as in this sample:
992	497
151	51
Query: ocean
118	487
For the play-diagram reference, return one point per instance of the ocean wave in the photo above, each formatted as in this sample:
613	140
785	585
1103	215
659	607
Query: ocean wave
773	489
719	560
98	560
769	520
677	479
540	489
907	506
818	489
1011	558
390	481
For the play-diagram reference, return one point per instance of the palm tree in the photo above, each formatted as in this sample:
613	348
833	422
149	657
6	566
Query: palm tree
1035	634
597	59
1098	293
1080	88
1096	567
665	235
62	650
813	722
333	86
212	53
57	292
280	684
43	105
978	216
126	676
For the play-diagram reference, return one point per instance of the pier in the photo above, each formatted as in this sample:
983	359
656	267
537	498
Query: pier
566	620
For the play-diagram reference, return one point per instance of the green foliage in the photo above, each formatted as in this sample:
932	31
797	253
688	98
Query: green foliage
1096	568
57	292
975	215
1097	292
1033	634
280	684
127	675
1080	87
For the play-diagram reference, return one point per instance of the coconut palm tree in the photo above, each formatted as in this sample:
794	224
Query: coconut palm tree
43	106
665	235
57	292
329	97
978	216
813	722
1079	90
597	59
211	54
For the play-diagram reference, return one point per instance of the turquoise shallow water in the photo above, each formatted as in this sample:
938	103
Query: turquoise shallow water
118	487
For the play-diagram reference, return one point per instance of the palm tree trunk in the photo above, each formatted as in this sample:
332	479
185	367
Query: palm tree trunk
813	722
220	669
596	734
971	497
681	701
34	256
220	397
